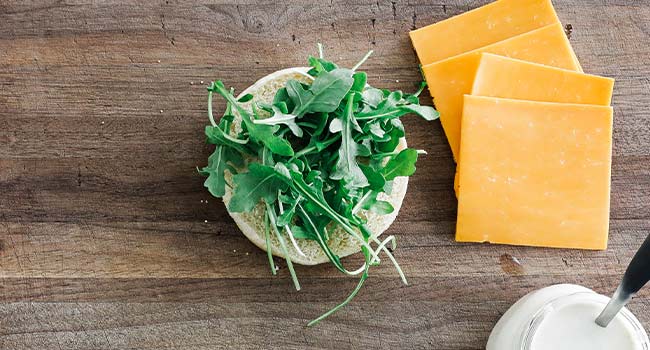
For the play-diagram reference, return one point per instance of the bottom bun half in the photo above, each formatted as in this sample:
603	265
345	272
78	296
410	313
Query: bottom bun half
341	243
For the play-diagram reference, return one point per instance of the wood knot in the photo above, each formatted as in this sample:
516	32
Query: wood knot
258	20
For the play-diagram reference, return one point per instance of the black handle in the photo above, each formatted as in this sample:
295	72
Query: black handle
638	272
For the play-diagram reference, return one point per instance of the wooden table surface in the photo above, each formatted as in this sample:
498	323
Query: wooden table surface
108	239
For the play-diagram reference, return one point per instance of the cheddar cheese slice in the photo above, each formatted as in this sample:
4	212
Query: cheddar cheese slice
499	76
450	79
534	173
480	27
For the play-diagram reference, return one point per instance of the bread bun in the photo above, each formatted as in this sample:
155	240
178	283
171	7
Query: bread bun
341	243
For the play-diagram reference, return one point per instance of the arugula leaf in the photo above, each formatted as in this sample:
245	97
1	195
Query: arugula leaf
324	94
260	182
245	98
426	112
363	148
375	178
320	65
260	133
300	233
287	216
394	136
386	108
225	156
347	167
372	97
395	105
282	96
281	118
376	131
217	165
297	93
370	202
216	136
360	79
402	164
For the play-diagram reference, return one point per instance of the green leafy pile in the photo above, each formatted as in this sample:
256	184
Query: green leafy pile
323	152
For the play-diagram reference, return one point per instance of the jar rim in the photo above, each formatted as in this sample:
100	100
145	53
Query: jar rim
553	304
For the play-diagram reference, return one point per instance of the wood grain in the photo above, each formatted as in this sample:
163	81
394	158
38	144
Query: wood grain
104	242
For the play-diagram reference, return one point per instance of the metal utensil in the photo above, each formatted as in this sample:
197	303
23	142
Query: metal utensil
635	277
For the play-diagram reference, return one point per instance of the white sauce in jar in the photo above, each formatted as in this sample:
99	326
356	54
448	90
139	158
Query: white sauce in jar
562	317
572	327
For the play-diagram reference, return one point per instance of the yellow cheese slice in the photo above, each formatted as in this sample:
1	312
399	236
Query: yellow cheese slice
534	173
483	26
450	79
499	76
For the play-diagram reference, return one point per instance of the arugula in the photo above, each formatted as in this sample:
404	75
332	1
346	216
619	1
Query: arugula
324	94
280	117
316	157
403	164
225	156
347	167
220	161
260	182
263	134
395	105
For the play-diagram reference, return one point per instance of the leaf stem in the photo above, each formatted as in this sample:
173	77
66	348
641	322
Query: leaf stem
378	116
210	116
267	235
391	154
356	66
289	233
363	278
359	204
423	84
283	245
382	246
326	249
312	148
334	216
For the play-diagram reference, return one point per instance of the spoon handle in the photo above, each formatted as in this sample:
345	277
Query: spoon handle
615	305
638	272
635	277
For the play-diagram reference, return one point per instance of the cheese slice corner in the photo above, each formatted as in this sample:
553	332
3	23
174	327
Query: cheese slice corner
534	173
480	27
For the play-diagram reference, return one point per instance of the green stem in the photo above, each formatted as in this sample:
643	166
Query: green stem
283	245
210	116
310	149
307	219
288	229
357	206
378	116
363	278
420	89
356	66
334	216
267	235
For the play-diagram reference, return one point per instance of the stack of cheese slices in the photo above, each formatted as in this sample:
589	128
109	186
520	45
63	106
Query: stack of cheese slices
530	132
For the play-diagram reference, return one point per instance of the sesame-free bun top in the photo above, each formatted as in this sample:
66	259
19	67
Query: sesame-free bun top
341	243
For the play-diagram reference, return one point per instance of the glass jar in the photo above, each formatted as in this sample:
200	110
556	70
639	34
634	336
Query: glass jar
562	317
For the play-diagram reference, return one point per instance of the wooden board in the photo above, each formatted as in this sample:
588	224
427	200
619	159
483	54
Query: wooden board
104	242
